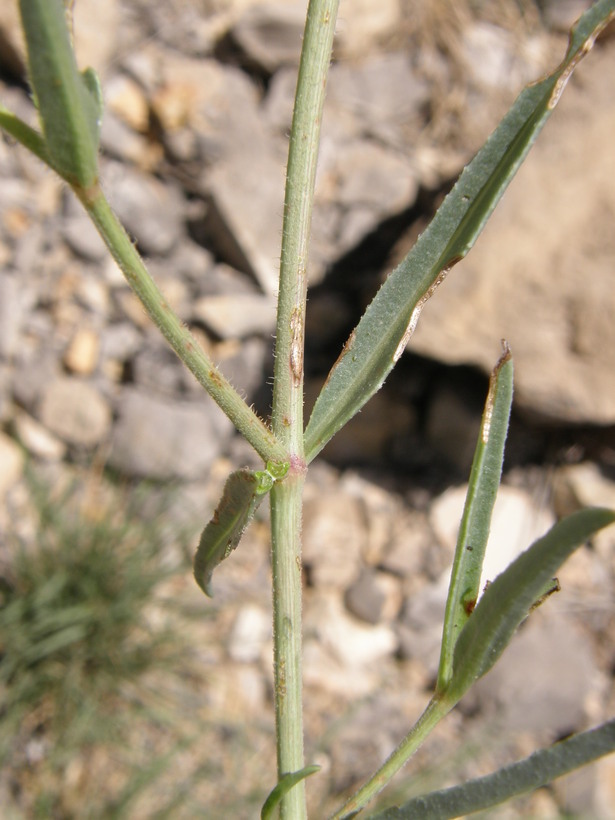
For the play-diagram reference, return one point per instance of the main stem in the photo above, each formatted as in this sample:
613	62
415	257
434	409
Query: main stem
287	416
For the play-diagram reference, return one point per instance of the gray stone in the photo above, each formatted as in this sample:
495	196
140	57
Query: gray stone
365	599
495	58
269	35
162	439
420	626
237	316
120	341
244	365
544	678
383	93
334	537
244	218
156	368
83	238
76	412
151	211
195	95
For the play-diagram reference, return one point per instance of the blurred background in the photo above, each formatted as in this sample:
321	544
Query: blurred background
124	692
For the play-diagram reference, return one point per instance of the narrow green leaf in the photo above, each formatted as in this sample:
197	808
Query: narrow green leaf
382	334
25	135
508	600
287	782
242	495
69	103
526	775
476	520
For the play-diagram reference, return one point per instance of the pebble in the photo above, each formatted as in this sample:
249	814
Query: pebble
81	355
236	316
37	439
251	632
76	412
334	539
166	439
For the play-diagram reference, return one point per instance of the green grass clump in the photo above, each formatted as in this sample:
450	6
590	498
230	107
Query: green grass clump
83	623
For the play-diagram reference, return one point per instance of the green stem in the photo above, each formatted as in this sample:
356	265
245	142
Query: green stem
176	333
436	709
287	416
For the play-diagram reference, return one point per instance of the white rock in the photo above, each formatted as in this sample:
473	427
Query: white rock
251	631
37	439
238	316
516	522
352	642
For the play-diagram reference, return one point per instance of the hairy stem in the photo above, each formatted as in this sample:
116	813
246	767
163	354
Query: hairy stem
176	333
287	414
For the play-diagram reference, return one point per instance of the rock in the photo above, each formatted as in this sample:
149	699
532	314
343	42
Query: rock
120	341
12	462
246	195
237	316
324	671
372	178
119	141
161	439
494	58
37	440
560	15
150	211
353	643
269	36
516	522
362	24
195	94
582	485
76	412
82	237
381	96
334	538
550	295
374	597
420	626
243	364
126	99
409	548
534	686
96	30
157	369
251	632
11	313
81	355
365	599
